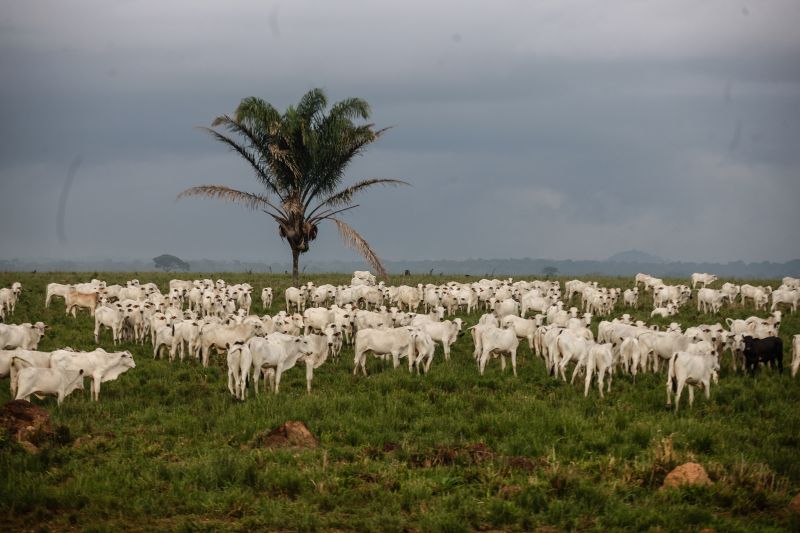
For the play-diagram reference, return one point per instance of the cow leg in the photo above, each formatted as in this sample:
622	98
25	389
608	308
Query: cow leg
514	362
669	390
588	381
681	384
691	395
502	362
600	375
309	374
482	362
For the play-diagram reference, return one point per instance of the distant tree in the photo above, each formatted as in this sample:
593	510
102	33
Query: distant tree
549	271
168	263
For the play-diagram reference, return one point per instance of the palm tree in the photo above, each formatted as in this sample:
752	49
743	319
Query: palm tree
300	158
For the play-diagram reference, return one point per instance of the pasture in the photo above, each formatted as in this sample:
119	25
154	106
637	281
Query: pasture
167	447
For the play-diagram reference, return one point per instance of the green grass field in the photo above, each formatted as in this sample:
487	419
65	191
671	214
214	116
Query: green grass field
167	447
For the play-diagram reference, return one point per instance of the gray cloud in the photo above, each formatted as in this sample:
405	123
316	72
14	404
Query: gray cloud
567	129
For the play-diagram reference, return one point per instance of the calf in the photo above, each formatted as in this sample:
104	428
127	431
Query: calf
87	300
277	353
705	279
690	369
762	351
239	361
446	332
496	341
600	358
109	317
49	381
12	361
266	297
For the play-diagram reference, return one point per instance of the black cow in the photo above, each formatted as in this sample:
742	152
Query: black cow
762	351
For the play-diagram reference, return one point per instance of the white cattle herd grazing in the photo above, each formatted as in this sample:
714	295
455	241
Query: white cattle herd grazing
199	318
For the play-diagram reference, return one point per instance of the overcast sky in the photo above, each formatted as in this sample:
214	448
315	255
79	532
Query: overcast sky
549	129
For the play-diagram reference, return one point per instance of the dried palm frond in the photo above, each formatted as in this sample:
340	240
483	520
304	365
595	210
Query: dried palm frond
247	199
355	241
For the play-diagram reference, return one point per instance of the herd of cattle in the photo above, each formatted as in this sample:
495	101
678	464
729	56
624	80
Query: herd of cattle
201	317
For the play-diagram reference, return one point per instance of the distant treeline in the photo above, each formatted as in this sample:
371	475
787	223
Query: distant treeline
475	267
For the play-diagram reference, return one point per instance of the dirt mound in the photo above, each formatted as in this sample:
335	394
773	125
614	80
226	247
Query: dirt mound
292	434
794	505
453	455
686	474
27	424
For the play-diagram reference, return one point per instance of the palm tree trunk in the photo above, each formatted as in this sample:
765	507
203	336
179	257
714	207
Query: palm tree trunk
295	265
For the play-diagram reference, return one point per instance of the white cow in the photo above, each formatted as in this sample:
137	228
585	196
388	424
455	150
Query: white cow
506	307
670	310
795	354
534	301
445	332
239	359
219	337
523	327
705	279
424	347
278	352
759	295
661	345
496	341
600	359
185	339
631	356
320	295
792	283
163	339
710	299
12	361
266	297
100	365
397	342
56	289
25	336
785	296
408	296
109	317
295	298
730	291
316	319
49	381
631	297
689	369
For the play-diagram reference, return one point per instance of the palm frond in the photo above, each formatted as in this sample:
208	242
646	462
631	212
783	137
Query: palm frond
350	109
311	105
258	163
356	242
247	199
255	111
345	196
